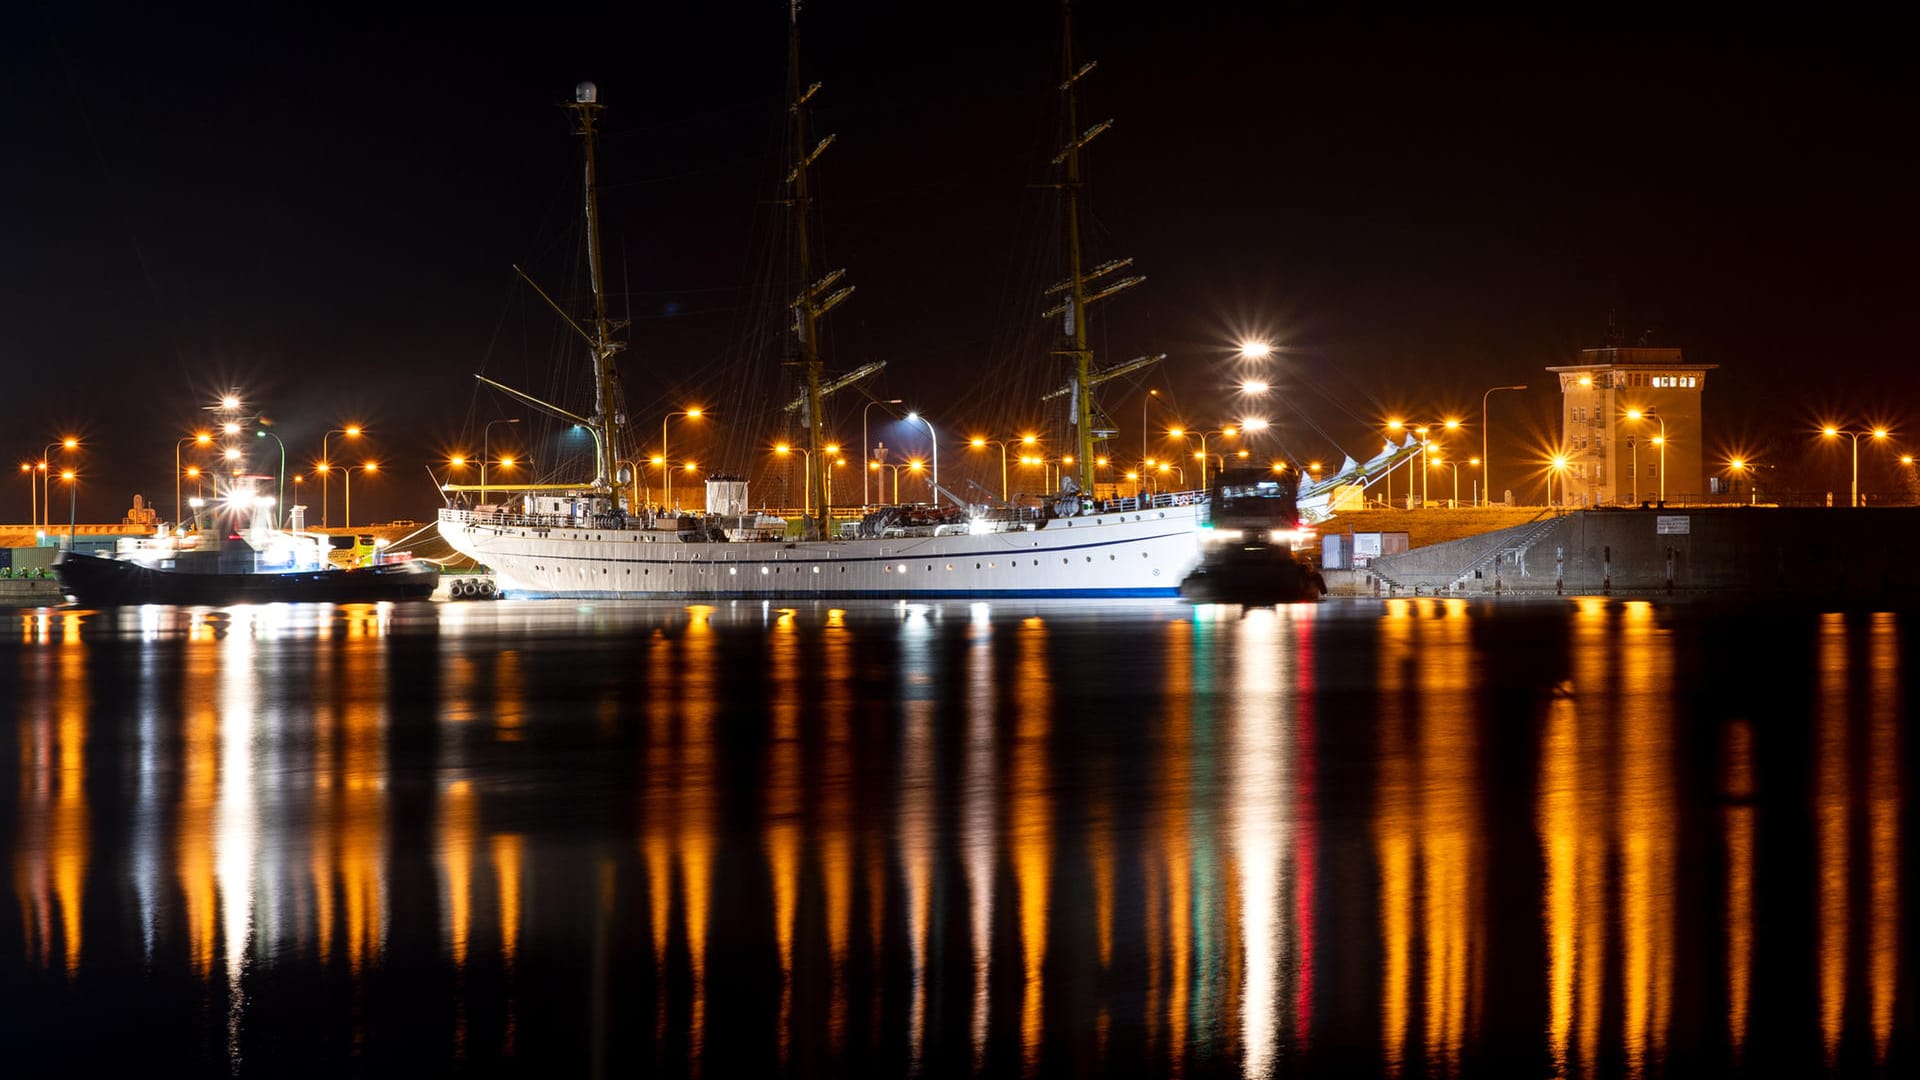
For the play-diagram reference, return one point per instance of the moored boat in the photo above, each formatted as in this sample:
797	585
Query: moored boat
257	564
595	539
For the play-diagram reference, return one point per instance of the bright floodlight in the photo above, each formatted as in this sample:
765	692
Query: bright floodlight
913	416
1029	440
693	413
1176	432
1634	414
1830	431
1559	462
833	448
1255	350
978	443
70	442
1452	425
374	466
1396	425
233	454
229	402
1254	424
1254	386
457	461
1879	433
1736	464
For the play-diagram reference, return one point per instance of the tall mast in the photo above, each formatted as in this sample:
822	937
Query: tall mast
813	300
607	419
1073	337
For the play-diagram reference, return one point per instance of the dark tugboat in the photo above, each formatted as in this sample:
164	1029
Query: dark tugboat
1247	554
254	564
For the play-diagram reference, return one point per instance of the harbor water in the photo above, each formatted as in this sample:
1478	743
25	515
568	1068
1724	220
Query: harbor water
1421	837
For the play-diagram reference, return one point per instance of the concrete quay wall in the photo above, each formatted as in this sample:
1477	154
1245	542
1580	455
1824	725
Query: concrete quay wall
1843	551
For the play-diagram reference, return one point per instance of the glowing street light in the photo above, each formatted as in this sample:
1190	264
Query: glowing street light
1557	465
981	444
666	497
198	438
367	467
1832	432
935	440
325	465
1255	350
1660	441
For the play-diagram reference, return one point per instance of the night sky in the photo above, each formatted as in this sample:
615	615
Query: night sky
321	206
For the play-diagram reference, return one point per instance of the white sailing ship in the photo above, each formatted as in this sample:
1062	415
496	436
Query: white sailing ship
592	540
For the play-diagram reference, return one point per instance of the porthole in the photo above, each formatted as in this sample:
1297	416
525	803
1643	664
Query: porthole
1063	562
949	566
903	568
976	566
1111	556
1089	558
816	569
764	571
991	566
732	570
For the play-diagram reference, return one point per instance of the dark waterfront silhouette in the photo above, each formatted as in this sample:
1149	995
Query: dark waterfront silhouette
1400	838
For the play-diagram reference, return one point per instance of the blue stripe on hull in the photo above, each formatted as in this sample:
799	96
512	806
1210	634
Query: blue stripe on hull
826	594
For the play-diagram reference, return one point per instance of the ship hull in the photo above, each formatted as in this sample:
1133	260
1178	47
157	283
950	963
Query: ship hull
101	582
1145	553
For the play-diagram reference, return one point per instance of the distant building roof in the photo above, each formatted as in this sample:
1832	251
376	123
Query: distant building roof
1632	358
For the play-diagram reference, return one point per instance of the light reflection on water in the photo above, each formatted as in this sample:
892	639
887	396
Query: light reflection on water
938	838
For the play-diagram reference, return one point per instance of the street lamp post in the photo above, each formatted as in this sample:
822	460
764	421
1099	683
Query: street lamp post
666	494
806	485
46	480
866	449
1660	441
1558	464
73	503
262	433
933	438
979	444
33	492
1442	463
198	438
486	450
371	466
1486	469
1144	402
1832	432
325	466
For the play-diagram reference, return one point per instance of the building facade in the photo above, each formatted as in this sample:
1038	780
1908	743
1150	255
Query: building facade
1623	413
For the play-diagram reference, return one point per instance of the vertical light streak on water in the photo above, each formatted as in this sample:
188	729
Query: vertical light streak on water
1557	820
509	853
1175	806
1646	822
784	803
1261	749
839	819
509	696
1030	823
916	837
1884	785
700	685
1305	826
659	775
1739	825
32	862
1210	1012
145	859
1449	830
1830	829
1100	854
1393	833
236	826
457	815
68	835
199	787
978	827
362	803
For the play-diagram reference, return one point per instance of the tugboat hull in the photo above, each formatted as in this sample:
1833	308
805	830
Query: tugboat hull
99	582
1255	576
